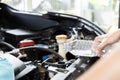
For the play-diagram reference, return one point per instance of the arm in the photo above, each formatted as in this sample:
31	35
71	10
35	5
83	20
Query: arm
107	68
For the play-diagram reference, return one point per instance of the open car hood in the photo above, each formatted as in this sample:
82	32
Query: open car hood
15	18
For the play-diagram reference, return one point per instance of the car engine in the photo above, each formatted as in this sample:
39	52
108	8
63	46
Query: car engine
31	41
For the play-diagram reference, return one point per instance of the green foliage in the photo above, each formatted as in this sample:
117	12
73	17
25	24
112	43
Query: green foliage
5	1
103	4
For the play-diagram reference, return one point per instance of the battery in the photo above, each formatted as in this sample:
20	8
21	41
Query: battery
15	35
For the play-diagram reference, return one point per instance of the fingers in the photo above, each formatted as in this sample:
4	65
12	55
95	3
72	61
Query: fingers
101	46
103	42
96	42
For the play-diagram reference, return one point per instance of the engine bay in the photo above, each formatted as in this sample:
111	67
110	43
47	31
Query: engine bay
32	39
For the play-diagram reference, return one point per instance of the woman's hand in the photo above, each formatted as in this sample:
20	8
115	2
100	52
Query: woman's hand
102	41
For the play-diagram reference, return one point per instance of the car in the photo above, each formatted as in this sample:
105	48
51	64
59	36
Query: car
32	42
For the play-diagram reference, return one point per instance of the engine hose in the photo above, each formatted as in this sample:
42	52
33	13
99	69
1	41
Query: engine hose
7	45
43	49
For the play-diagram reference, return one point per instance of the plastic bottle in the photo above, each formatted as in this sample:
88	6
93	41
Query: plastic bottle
6	69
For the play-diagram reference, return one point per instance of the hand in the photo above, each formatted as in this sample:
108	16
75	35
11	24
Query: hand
102	41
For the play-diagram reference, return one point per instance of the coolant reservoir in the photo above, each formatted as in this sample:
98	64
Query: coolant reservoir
61	39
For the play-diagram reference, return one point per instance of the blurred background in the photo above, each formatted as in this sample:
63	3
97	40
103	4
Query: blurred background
104	13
